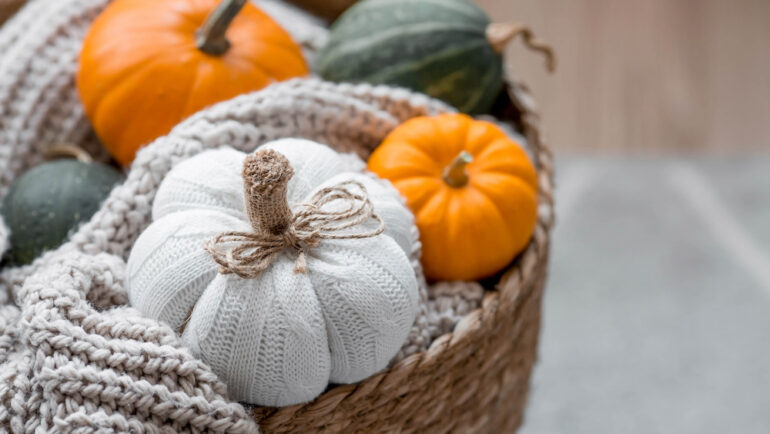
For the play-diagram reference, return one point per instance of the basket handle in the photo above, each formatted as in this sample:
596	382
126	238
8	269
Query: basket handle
500	35
519	93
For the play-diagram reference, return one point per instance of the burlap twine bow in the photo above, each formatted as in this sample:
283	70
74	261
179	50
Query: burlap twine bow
266	175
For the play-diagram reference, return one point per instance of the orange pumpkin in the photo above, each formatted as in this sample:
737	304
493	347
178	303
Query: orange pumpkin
472	190
148	64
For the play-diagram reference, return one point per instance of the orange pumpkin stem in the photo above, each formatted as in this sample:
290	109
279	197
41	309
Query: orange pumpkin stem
500	34
455	174
211	38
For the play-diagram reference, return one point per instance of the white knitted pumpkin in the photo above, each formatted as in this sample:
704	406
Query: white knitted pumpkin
277	337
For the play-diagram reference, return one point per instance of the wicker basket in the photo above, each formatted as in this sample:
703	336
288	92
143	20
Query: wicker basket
475	379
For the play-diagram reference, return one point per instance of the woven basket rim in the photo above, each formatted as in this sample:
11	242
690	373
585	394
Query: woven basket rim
517	108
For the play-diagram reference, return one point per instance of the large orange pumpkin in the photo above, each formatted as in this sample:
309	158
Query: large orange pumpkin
472	189
148	64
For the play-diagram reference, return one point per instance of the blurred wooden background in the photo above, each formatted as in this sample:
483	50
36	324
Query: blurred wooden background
649	75
644	75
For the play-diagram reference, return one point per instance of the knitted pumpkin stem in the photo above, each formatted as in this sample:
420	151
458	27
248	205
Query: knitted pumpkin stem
455	174
500	34
211	37
266	175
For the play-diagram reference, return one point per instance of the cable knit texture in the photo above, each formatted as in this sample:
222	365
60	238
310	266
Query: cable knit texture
278	337
39	105
68	367
38	109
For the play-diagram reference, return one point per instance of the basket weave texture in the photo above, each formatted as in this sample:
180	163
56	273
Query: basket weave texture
475	379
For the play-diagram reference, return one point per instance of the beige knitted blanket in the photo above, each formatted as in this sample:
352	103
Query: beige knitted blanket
73	357
69	367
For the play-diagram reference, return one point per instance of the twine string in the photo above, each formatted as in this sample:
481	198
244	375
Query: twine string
247	254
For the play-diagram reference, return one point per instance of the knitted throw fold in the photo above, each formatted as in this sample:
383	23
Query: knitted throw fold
68	367
265	177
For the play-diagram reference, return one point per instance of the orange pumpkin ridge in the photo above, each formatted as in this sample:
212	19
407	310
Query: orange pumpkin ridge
142	72
472	189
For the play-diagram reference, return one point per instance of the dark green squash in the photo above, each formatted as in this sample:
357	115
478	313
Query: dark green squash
447	49
47	202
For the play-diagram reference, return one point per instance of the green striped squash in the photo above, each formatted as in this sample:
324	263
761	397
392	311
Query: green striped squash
437	47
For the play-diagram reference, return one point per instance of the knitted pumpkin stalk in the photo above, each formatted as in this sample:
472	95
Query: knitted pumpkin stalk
265	177
211	38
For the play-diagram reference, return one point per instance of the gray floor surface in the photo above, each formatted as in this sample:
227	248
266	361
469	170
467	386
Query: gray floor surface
657	311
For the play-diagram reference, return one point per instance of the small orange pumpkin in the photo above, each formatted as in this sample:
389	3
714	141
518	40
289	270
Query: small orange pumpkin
472	190
148	64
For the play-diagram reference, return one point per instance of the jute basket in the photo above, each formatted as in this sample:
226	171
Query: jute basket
475	379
